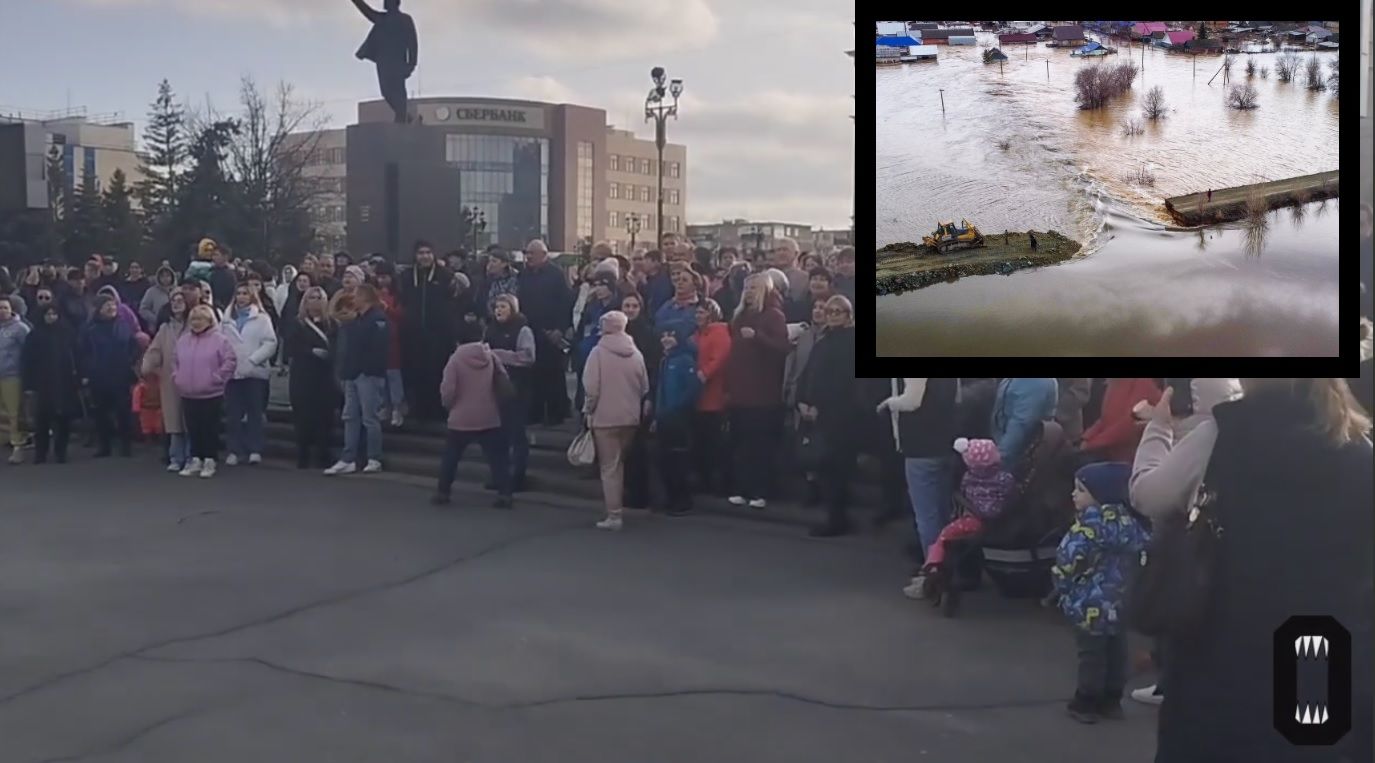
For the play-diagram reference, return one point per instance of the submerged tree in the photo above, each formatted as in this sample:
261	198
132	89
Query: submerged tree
1287	67
1242	96
1094	85
1154	104
1313	74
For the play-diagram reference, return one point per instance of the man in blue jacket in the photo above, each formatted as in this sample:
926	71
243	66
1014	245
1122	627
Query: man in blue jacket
674	403
362	368
1019	408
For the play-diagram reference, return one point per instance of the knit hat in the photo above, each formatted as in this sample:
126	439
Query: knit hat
607	266
1107	482
978	453
357	273
206	248
604	277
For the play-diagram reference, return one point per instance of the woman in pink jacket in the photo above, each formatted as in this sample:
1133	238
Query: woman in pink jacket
204	363
468	391
616	387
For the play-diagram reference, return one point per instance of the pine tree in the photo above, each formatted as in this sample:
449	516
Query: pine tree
206	203
125	234
85	221
166	152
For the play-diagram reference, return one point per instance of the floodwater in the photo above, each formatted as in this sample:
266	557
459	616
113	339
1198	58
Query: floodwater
1141	286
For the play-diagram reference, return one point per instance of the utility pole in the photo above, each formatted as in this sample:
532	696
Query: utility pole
1000	67
1047	70
942	101
1195	66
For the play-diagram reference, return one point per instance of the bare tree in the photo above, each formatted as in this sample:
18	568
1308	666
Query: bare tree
1250	67
1132	126
1154	104
276	142
1142	176
1265	72
1313	74
1242	96
1286	67
1094	85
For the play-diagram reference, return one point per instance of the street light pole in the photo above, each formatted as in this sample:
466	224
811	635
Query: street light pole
632	226
656	109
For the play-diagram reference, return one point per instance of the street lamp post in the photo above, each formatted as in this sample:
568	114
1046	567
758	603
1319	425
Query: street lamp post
632	226
477	221
656	109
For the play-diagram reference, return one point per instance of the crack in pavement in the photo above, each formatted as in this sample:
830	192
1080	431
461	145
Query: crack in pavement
613	696
130	739
292	611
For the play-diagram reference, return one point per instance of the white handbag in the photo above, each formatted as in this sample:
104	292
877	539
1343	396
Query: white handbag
583	450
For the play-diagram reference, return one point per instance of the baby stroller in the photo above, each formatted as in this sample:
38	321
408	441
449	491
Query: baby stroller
1017	549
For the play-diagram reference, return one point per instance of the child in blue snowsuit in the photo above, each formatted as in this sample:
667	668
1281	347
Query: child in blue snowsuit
1090	573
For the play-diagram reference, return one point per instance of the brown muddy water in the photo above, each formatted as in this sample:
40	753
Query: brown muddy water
1142	286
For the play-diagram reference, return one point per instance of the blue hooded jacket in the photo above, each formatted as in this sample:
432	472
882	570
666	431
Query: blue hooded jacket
1092	566
678	381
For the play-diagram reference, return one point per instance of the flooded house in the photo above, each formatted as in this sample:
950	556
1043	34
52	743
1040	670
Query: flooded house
1067	37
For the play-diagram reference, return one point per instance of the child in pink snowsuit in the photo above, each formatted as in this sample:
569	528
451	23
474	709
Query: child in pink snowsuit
985	487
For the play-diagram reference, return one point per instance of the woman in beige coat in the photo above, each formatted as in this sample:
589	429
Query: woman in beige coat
157	361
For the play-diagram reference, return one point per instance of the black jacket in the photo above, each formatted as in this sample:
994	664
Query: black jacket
828	382
930	430
427	302
311	381
503	336
48	367
545	298
131	292
363	344
647	342
1297	523
222	283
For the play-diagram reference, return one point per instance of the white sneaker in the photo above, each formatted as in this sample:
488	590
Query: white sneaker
192	468
231	460
174	467
372	467
1147	695
397	419
914	589
341	467
208	468
255	458
610	523
737	500
758	503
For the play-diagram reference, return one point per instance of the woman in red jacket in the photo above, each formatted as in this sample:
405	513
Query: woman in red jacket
754	388
1117	432
708	421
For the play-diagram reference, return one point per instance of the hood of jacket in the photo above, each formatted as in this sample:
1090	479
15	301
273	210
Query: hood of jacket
157	278
619	344
474	355
111	291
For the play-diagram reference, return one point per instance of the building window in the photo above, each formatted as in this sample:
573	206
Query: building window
614	164
335	156
644	193
507	178
673	169
615	190
673	196
584	189
615	220
644	166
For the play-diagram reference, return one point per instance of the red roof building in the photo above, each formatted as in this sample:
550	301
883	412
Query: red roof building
1179	38
1146	28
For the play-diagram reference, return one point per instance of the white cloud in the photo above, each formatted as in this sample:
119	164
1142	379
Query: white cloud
541	89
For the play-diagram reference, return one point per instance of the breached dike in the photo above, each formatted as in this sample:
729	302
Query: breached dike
907	266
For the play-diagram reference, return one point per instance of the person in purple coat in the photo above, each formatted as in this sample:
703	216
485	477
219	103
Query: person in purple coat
204	363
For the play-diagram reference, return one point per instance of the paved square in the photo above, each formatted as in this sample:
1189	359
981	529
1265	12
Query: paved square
274	615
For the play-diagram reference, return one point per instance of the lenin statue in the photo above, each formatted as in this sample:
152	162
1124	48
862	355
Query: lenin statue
392	46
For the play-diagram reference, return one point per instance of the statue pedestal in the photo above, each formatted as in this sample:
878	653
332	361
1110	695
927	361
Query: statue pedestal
400	188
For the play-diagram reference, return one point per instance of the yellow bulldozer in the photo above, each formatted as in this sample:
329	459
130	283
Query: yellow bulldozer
948	238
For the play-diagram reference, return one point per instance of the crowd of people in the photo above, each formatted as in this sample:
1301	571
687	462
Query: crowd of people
693	368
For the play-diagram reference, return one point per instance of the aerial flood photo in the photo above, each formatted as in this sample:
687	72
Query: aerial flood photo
1111	188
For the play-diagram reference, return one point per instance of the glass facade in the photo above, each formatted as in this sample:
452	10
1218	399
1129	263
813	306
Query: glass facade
584	189
507	178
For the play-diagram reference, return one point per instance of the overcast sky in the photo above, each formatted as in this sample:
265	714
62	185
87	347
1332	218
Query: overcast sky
764	115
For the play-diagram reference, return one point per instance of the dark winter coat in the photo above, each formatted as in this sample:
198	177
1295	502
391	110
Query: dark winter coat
929	431
427	302
49	367
363	345
107	354
311	380
546	298
646	336
131	292
1297	523
828	383
503	336
222	283
754	371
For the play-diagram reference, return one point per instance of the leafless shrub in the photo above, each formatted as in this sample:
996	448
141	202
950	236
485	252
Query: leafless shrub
1287	67
1256	207
1250	67
1142	176
1153	107
1004	144
1132	126
1094	85
1242	97
1313	74
1265	72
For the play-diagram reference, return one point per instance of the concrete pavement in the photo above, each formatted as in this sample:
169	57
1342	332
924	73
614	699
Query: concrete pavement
275	615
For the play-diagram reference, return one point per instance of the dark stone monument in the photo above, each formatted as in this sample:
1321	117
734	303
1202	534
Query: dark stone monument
392	46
